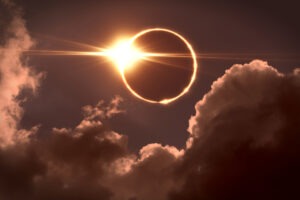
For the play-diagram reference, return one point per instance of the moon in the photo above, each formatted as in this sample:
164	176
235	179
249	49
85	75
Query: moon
129	56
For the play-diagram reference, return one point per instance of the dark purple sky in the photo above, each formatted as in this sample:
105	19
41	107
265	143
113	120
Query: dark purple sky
257	28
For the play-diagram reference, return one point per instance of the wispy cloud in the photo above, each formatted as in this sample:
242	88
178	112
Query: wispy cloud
14	77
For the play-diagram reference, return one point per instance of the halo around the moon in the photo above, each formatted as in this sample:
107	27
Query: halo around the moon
192	55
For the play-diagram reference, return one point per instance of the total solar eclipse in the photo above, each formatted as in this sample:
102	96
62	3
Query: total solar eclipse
157	65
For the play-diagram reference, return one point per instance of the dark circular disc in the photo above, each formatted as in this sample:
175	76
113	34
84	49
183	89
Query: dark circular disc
160	77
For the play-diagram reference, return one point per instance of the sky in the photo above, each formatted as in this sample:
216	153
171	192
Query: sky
70	129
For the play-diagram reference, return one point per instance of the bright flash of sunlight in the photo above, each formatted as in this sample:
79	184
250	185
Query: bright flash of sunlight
124	54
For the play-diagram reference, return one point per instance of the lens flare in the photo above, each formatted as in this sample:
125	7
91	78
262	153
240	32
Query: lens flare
125	55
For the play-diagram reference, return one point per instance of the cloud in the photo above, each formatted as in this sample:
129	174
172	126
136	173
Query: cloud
15	76
102	111
114	167
244	137
68	164
150	175
87	162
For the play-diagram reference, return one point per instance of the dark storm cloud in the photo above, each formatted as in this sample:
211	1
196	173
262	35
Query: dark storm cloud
245	137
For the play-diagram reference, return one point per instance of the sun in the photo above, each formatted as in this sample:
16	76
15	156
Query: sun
124	54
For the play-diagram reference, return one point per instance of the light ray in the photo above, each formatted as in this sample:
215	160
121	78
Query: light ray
155	60
65	53
148	55
70	42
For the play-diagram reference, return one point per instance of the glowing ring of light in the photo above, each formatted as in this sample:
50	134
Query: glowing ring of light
193	77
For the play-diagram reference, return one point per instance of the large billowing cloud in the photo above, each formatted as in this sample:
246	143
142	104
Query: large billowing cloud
245	137
14	77
244	142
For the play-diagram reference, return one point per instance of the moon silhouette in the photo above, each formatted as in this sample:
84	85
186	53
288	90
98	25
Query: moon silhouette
161	79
